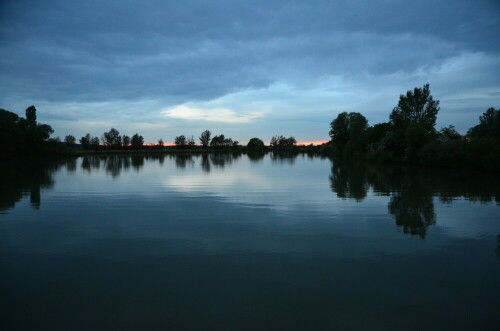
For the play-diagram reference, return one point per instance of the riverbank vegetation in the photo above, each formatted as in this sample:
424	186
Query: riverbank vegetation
409	136
25	136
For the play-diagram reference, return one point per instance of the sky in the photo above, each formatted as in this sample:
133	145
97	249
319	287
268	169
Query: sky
243	68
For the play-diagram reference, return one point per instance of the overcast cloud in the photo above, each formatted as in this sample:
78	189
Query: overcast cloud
245	69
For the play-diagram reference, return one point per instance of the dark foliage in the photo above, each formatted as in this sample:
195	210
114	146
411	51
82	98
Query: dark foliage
70	140
180	141
112	138
19	136
205	138
410	136
488	127
348	133
221	142
411	189
137	141
125	140
255	144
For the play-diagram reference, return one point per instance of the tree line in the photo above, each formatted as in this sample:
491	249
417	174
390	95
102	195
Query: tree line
113	140
410	136
26	137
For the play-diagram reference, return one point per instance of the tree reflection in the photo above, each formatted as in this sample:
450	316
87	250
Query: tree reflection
349	181
413	209
497	250
223	159
20	179
113	165
411	190
205	163
256	156
71	165
182	160
137	162
284	157
90	162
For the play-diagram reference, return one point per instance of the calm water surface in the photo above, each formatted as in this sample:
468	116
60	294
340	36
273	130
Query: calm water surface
235	242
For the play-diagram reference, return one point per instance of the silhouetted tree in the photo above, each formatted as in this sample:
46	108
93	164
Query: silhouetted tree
205	138
413	120
255	144
348	133
275	140
94	143
31	115
112	138
160	143
180	141
281	141
85	141
190	142
375	134
70	141
448	133
488	127
137	141
11	135
416	108
221	141
125	140
35	135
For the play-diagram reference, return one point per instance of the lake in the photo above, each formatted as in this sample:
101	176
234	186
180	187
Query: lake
222	241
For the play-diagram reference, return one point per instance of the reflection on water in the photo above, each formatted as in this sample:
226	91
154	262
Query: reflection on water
411	190
27	178
256	156
223	241
221	160
283	157
498	247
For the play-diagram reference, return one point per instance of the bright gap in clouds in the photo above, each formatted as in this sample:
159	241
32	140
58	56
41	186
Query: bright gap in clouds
211	115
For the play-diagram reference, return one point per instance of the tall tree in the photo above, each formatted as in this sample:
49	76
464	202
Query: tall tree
85	141
416	108
137	141
70	140
413	120
489	125
180	141
348	133
205	138
125	140
31	114
94	142
112	138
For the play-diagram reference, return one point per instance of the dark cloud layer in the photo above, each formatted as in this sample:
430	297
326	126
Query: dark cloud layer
185	51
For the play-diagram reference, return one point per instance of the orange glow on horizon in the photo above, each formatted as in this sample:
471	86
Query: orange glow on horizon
302	143
156	144
315	143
